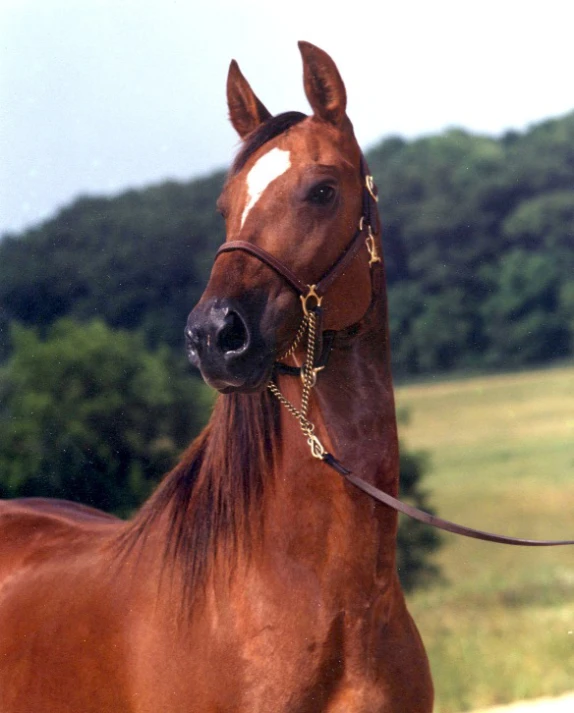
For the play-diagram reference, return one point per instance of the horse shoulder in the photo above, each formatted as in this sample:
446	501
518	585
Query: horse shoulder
60	604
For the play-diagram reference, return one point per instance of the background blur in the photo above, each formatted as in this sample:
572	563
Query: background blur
113	145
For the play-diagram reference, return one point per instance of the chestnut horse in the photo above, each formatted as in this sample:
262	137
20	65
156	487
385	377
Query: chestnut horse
255	579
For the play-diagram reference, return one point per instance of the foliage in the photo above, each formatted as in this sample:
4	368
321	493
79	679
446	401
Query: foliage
136	261
456	208
89	414
416	543
521	315
478	244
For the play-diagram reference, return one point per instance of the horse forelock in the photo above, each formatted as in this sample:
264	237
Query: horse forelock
264	133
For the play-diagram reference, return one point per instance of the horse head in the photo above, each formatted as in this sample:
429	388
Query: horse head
294	198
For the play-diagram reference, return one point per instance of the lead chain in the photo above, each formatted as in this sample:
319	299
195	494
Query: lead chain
298	338
309	378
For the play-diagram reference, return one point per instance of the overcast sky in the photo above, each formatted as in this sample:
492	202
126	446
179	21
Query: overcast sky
100	95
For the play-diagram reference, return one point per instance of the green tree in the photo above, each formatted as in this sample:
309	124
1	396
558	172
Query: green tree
416	543
139	260
89	414
454	207
521	315
567	310
541	160
545	221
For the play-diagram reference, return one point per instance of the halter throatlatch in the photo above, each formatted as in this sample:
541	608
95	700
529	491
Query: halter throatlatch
311	297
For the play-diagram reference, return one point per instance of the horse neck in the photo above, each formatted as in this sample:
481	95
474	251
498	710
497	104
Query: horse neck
356	407
252	467
354	414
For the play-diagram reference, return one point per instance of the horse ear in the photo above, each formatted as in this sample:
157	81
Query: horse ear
246	112
323	84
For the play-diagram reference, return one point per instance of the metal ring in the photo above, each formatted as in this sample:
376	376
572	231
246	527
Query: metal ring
311	293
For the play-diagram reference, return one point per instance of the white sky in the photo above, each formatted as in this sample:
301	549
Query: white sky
100	95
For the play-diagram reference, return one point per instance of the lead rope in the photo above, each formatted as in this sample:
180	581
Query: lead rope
309	376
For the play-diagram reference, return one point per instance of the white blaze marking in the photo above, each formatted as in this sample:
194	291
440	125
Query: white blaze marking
267	169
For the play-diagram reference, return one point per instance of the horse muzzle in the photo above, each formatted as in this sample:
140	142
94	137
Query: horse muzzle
225	343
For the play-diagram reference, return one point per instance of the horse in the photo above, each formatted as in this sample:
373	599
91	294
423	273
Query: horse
255	578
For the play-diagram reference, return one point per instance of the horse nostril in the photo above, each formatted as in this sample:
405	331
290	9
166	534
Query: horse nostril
233	335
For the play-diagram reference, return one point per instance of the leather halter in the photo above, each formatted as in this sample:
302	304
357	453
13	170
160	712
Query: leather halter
369	225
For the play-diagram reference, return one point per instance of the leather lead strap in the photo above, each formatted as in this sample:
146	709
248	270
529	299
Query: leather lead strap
369	222
428	519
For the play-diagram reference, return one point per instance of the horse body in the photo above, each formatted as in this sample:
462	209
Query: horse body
309	629
53	597
254	579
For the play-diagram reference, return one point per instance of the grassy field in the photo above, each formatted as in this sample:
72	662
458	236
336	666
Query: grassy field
500	627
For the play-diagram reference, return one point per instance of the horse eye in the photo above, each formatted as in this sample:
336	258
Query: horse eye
321	194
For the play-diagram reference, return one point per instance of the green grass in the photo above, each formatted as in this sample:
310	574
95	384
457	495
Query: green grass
501	625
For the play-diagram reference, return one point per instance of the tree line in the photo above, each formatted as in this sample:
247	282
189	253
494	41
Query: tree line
478	237
96	400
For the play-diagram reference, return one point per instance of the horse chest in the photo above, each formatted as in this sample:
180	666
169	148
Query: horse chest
345	668
301	654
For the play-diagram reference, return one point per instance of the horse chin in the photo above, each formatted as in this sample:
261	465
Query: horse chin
254	381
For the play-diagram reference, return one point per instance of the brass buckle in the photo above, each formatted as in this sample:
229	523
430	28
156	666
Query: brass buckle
312	293
372	247
370	184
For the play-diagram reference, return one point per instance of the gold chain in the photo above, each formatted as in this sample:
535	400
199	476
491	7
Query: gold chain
309	376
298	338
308	370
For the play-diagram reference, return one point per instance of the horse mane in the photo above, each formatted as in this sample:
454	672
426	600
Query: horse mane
210	503
266	131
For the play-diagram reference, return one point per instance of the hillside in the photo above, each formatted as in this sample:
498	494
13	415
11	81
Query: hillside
478	242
